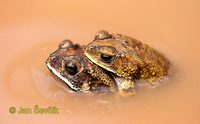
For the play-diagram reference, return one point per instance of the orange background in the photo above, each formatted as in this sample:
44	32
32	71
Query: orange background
31	30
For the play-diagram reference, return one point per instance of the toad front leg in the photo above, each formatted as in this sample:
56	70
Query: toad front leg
126	87
100	74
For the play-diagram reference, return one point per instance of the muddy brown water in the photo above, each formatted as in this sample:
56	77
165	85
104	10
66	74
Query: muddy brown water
29	31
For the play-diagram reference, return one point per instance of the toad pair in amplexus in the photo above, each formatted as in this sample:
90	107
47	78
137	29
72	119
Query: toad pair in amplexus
111	62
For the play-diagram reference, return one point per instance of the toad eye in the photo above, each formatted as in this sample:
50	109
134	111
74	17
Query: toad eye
106	58
71	67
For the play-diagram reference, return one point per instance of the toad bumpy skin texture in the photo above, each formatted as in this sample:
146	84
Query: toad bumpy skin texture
126	57
69	64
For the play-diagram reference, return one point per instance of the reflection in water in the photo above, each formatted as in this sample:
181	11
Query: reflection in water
28	78
29	81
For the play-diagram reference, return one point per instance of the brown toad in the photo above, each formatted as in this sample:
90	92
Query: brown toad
69	64
128	58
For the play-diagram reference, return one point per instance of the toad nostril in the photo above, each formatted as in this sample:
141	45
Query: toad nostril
91	48
54	59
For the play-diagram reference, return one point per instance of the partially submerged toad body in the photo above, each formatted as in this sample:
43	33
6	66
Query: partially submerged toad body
70	65
111	61
127	58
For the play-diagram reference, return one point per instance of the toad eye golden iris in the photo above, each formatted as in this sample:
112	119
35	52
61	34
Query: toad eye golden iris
106	58
71	67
